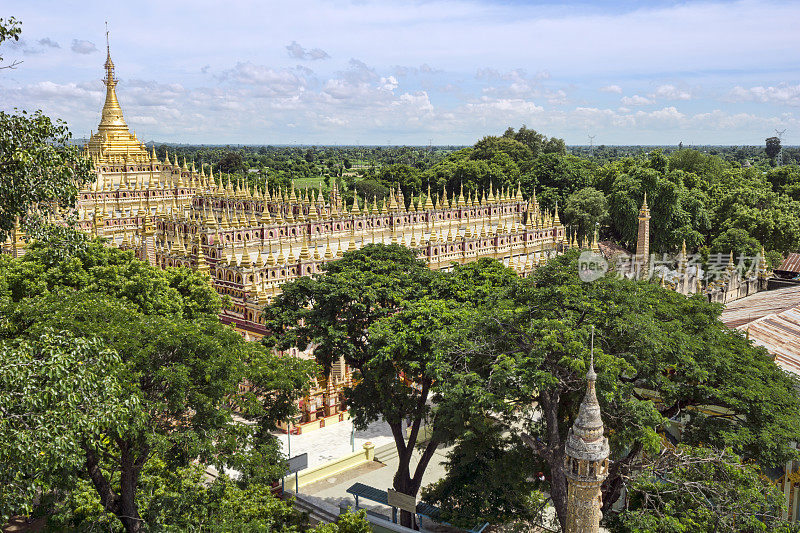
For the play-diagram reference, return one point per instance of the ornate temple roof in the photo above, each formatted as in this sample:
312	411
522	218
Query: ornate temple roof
113	142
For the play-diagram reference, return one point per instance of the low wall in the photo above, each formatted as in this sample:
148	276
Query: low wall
299	429
331	468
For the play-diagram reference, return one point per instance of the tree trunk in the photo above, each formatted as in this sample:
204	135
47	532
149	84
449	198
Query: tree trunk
558	482
122	505
558	489
129	512
402	478
612	487
403	481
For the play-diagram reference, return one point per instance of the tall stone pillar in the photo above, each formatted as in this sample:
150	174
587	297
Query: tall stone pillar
643	240
586	464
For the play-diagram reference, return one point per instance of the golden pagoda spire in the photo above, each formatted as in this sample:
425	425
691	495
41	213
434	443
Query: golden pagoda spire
304	252
352	246
255	294
259	262
112	113
428	203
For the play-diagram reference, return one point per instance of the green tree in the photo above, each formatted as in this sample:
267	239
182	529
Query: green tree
701	489
737	241
677	212
488	148
232	162
183	499
39	169
334	313
773	148
384	312
348	523
370	189
554	177
536	142
178	361
765	215
659	354
55	391
584	211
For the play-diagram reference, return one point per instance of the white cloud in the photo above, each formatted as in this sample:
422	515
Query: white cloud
670	92
635	100
388	84
615	89
558	97
783	93
143	120
298	52
83	47
47	41
667	114
66	91
271	82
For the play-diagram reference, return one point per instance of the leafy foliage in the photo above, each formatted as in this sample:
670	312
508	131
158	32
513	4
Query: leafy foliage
659	356
584	211
54	392
701	489
38	167
177	361
182	499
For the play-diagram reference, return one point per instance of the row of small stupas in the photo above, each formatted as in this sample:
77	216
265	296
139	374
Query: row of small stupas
252	241
731	283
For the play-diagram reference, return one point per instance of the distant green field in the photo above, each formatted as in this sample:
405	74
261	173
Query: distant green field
302	183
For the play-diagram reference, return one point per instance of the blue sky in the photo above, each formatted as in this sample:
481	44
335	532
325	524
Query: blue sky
377	72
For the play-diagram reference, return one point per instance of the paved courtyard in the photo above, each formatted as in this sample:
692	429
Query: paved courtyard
332	491
333	441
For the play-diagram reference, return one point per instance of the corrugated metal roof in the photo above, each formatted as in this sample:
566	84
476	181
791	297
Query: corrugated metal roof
779	333
760	304
790	265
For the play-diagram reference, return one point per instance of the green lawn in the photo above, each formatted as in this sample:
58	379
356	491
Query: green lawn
302	183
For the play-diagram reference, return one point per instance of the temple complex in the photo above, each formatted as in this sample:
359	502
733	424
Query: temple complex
252	240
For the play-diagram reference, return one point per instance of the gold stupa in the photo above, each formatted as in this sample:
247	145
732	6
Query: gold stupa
114	143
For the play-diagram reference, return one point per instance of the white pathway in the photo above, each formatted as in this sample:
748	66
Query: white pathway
333	441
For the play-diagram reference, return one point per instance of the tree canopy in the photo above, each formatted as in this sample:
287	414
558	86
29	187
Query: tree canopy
173	370
384	312
700	489
39	168
661	358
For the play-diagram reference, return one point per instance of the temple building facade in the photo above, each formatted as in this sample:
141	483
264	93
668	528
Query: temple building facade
252	240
